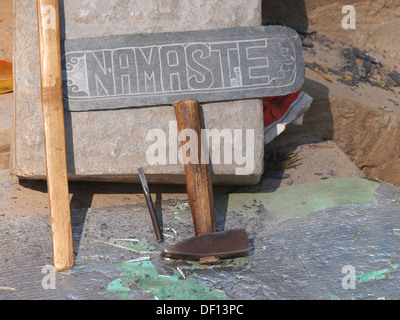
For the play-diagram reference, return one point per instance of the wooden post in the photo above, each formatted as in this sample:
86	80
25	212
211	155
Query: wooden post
54	132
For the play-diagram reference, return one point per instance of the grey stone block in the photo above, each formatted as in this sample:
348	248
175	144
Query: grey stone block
107	144
155	69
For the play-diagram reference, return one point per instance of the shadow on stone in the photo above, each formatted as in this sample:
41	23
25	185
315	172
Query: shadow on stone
286	12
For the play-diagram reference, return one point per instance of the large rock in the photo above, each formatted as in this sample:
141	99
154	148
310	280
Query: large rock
107	145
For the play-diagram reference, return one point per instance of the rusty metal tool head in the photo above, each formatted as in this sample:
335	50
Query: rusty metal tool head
225	244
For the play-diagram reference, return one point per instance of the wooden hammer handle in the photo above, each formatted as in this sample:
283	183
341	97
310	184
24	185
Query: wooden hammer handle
54	132
198	179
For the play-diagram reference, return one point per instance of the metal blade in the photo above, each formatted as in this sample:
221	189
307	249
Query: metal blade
150	204
224	244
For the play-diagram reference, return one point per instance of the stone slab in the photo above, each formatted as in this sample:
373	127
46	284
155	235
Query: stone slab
208	65
107	144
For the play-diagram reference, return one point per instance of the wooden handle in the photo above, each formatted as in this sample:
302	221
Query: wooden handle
54	132
198	179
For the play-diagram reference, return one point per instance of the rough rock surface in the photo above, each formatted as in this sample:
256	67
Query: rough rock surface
106	145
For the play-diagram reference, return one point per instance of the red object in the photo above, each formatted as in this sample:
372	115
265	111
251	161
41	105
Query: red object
275	107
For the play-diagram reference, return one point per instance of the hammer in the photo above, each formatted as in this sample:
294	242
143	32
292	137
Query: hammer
208	246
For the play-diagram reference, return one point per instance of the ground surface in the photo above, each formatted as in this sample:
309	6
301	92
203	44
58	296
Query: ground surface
305	223
301	250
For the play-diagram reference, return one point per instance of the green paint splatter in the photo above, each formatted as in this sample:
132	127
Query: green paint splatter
293	201
334	297
372	275
144	275
354	239
376	275
66	273
120	287
396	233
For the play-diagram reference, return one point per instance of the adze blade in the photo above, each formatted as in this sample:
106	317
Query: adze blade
225	244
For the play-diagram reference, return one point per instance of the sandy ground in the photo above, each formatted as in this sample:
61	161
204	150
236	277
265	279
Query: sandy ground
377	23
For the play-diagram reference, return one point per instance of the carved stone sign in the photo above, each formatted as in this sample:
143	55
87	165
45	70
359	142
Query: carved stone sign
155	69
